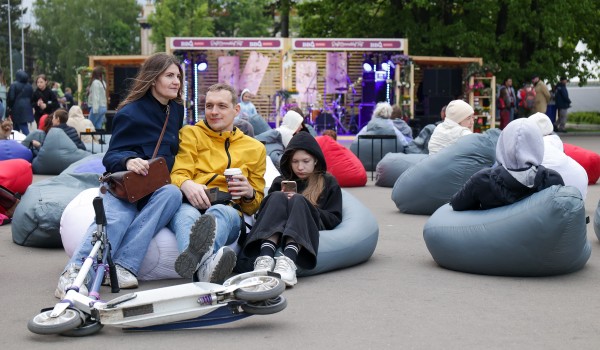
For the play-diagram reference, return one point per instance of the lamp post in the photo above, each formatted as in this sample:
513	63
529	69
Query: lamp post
10	43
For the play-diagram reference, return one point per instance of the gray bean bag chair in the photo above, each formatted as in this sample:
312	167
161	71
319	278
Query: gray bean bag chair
57	153
597	221
431	183
393	165
36	222
353	241
421	142
542	235
259	124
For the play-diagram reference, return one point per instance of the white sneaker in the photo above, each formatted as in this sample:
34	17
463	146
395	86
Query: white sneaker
127	280
217	267
286	268
67	279
264	262
202	238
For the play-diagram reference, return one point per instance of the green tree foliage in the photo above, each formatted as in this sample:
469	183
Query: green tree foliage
71	30
242	18
180	18
521	36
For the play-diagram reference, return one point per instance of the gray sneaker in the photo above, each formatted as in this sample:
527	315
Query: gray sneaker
286	268
264	263
202	238
66	280
217	267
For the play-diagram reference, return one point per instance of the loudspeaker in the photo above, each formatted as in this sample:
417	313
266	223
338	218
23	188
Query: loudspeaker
323	122
440	86
365	112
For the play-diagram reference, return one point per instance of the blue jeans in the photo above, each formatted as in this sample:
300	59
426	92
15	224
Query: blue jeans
227	218
129	230
22	127
97	117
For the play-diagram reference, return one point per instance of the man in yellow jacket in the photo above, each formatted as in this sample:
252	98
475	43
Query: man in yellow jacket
204	231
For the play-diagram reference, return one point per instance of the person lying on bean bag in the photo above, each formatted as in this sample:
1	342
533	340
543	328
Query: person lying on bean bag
519	173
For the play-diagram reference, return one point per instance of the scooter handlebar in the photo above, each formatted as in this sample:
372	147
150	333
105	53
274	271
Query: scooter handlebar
99	210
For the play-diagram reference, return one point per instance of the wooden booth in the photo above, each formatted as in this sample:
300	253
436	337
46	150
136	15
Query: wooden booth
324	77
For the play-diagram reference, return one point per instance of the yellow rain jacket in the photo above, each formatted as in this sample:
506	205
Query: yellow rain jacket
204	155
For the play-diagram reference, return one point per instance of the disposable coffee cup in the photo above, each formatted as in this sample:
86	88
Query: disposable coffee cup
229	173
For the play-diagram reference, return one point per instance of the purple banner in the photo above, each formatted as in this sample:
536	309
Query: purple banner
349	44
225	44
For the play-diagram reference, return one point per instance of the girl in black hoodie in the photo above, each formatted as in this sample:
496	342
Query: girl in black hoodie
292	220
43	100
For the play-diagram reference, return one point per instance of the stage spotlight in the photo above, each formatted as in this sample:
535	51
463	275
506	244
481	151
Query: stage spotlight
202	63
367	63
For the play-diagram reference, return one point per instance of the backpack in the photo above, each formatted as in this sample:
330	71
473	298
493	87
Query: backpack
529	101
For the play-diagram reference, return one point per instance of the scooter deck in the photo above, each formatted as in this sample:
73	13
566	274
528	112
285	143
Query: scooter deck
160	306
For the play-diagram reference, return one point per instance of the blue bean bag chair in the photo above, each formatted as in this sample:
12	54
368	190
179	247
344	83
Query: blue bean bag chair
430	183
90	164
542	235
57	152
393	165
353	241
12	149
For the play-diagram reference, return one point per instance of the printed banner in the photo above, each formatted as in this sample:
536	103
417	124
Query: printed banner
348	44
225	44
254	71
229	70
306	82
337	72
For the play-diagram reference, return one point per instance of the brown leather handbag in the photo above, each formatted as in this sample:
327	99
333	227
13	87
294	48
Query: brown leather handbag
130	186
8	200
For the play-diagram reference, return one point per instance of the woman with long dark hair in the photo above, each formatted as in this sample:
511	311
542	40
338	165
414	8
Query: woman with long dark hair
291	220
154	96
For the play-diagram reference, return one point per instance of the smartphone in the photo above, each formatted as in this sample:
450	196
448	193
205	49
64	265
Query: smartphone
289	186
212	193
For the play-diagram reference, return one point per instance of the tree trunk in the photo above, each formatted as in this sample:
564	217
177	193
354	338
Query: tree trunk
285	18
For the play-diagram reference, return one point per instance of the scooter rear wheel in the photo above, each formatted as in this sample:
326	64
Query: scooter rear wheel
265	307
43	323
268	287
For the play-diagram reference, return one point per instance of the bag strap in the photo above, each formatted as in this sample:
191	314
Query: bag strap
162	133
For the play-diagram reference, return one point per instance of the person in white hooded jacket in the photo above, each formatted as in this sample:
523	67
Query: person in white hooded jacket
573	173
517	175
458	123
276	140
80	123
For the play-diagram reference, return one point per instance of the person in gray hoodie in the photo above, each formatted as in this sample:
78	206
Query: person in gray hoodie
517	175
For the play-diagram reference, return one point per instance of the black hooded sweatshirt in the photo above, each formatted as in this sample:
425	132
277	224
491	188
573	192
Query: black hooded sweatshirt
329	204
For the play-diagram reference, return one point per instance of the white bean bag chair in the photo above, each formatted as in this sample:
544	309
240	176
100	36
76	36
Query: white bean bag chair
57	152
393	165
542	235
79	214
572	173
597	221
430	183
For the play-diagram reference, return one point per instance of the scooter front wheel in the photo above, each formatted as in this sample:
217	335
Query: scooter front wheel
265	287
43	323
265	307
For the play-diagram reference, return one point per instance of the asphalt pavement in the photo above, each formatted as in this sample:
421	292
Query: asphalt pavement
399	299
